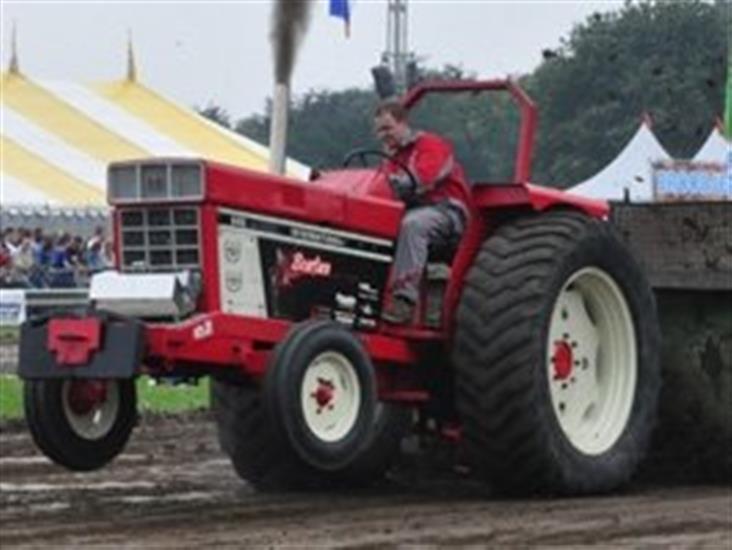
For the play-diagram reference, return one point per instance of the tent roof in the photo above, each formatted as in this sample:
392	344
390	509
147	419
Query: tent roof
630	170
58	137
715	149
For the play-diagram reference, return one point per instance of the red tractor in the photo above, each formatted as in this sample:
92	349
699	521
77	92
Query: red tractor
535	348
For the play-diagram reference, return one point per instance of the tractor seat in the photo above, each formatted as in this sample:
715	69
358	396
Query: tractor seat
436	276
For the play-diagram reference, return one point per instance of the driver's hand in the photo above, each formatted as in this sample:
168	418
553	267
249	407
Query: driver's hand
403	187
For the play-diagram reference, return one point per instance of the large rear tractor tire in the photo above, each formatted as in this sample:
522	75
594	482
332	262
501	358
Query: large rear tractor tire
556	355
315	423
80	424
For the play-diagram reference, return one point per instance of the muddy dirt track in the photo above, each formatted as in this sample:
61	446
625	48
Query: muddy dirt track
172	488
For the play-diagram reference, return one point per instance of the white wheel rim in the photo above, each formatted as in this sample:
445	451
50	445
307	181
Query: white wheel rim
592	361
330	396
97	421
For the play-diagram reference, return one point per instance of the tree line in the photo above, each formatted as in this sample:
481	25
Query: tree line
667	59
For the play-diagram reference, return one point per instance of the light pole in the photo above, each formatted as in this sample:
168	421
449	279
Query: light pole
397	58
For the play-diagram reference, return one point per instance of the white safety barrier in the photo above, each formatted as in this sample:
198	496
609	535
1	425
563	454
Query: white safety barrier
17	304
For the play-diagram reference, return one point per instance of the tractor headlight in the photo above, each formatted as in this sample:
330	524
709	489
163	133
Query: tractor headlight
186	180
155	181
123	182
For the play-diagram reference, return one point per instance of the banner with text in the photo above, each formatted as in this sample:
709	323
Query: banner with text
677	180
12	307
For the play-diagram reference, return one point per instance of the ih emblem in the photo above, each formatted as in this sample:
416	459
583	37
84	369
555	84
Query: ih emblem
232	251
204	330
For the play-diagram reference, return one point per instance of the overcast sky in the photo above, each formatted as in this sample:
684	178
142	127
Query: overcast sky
220	52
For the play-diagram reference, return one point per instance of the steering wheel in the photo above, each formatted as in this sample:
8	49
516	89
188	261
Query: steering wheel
363	154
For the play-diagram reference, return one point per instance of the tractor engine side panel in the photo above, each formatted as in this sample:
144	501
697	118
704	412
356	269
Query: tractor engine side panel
280	269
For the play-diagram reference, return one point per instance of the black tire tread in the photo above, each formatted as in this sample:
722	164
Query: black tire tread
247	438
50	430
496	347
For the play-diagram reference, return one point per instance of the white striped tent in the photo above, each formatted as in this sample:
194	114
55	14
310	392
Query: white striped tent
58	138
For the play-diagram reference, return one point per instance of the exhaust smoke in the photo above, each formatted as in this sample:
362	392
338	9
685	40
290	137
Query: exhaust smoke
290	20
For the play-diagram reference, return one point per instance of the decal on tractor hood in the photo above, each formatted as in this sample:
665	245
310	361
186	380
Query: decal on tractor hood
298	233
310	266
281	269
203	330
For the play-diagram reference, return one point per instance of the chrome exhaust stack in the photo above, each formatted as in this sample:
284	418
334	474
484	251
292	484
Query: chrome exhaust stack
278	129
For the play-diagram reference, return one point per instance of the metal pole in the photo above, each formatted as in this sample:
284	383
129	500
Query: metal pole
386	56
398	46
397	53
401	53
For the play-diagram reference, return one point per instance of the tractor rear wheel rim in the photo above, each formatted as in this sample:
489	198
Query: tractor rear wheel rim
90	419
592	360
330	396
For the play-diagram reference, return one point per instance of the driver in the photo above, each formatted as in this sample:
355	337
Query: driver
436	197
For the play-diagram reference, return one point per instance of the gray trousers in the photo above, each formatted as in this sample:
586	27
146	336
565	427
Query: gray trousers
421	227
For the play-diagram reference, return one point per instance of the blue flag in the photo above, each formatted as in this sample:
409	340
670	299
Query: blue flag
341	9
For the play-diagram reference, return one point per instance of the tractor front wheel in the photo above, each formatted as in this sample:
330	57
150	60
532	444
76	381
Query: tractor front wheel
315	422
556	352
78	423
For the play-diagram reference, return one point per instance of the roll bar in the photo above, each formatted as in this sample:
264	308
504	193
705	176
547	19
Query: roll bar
522	166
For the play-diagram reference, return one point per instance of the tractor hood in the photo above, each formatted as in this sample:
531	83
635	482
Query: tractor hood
357	200
352	182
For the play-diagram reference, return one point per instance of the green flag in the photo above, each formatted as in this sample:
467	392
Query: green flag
728	107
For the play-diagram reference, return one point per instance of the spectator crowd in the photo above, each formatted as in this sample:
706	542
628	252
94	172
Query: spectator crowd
36	259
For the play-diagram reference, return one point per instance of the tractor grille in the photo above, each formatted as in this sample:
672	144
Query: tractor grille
160	239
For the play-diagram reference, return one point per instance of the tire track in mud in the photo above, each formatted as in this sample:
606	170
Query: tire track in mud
377	522
173	489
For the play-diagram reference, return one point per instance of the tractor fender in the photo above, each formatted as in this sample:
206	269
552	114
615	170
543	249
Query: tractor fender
535	197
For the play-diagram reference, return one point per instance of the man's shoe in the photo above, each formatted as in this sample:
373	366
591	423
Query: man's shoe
400	311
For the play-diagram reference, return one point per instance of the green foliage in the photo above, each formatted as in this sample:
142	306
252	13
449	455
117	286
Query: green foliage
150	396
215	114
666	58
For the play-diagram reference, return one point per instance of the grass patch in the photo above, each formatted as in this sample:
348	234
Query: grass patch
9	335
11	397
151	397
169	398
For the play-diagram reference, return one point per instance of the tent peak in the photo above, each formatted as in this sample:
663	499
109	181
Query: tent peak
131	66
715	149
14	67
647	119
719	125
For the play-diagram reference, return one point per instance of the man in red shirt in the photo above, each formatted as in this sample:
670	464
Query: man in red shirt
437	197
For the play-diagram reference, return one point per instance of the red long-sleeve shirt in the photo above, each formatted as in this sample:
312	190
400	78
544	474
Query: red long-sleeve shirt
431	160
